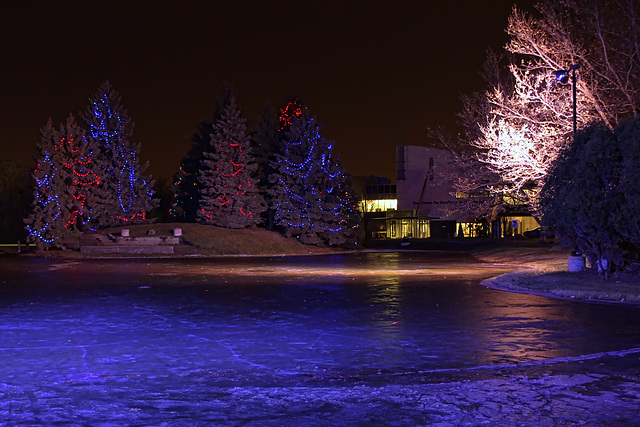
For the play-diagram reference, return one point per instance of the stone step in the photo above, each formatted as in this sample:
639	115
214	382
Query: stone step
126	249
147	241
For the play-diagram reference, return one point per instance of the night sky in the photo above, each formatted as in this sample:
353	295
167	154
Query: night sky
373	72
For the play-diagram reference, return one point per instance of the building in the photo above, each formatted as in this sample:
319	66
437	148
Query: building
377	199
425	193
422	203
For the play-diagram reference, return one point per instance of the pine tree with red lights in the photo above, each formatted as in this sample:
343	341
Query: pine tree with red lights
66	192
229	196
186	200
130	193
84	176
309	191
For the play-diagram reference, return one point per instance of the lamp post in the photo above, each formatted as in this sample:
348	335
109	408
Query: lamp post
563	77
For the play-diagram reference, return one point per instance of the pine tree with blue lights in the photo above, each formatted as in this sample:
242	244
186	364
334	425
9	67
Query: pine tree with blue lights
229	195
310	193
349	213
130	192
274	187
66	190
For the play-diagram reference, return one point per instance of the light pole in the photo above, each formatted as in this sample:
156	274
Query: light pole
563	77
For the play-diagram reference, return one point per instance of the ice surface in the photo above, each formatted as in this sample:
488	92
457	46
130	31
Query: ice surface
395	339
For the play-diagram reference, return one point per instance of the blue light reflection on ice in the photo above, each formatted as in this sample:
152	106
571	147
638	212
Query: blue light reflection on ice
247	318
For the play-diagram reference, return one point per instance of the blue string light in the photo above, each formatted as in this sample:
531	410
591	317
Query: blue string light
110	125
63	179
309	180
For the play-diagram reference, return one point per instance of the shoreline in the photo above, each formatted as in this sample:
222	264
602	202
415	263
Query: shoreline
491	284
536	269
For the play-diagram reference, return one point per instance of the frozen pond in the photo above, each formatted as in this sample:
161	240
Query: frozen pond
82	335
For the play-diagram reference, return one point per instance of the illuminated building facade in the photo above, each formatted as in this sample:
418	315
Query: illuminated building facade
422	202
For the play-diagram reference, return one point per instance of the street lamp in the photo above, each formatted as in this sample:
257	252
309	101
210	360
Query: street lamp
563	77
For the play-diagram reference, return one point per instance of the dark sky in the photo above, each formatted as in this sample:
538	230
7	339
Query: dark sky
373	72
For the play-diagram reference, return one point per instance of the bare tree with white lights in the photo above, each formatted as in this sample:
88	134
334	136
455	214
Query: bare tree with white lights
520	124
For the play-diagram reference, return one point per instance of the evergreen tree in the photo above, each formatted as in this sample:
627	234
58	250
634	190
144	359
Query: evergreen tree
16	188
187	195
130	193
164	191
46	218
229	196
83	176
582	194
66	186
265	142
186	200
349	217
591	197
309	190
627	219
